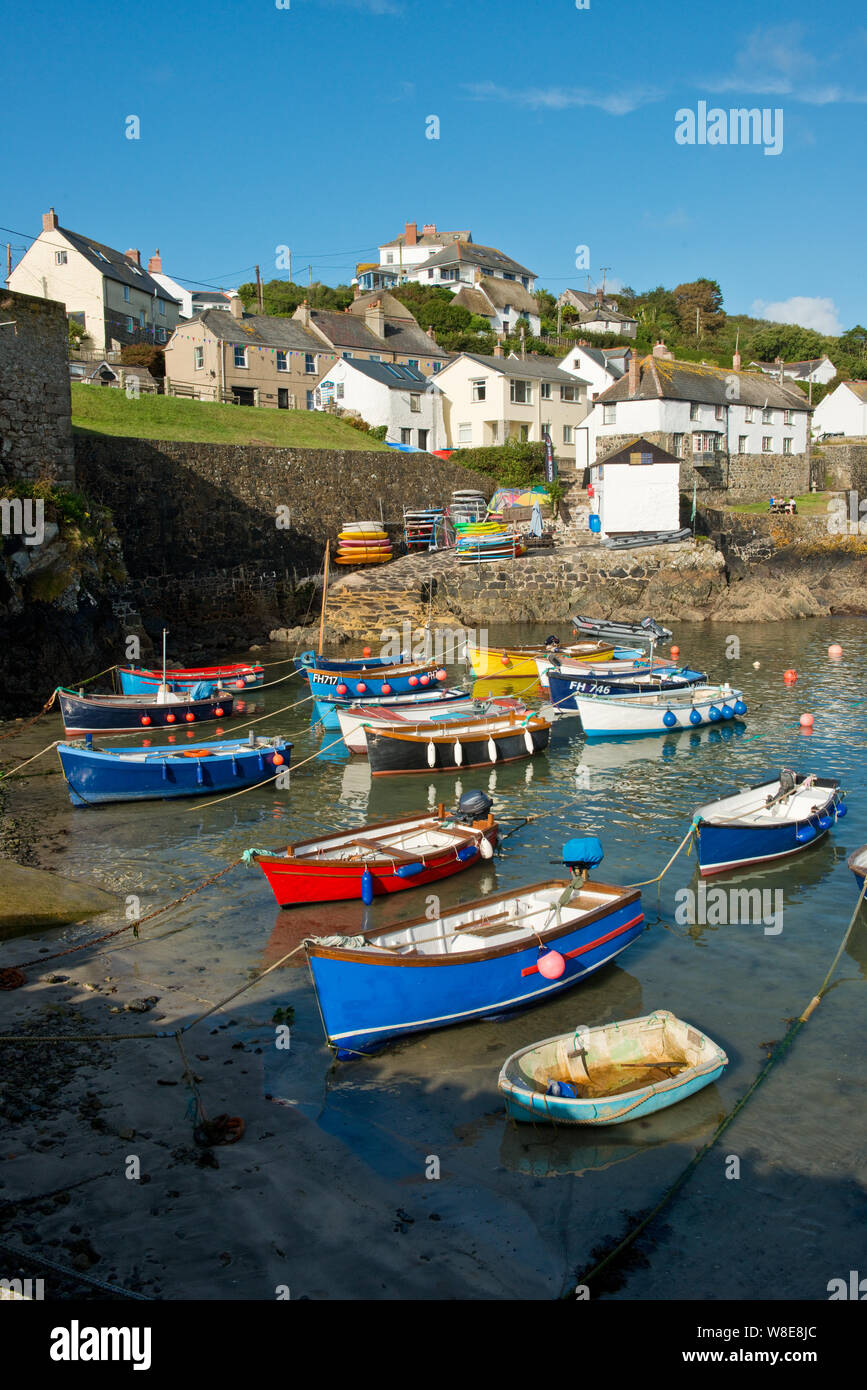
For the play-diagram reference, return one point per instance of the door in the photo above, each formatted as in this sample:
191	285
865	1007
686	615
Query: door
282	398
422	439
244	395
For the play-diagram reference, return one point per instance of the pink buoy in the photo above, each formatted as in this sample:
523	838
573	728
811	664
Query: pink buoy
806	721
442	674
361	688
551	965
342	688
386	688
413	680
835	651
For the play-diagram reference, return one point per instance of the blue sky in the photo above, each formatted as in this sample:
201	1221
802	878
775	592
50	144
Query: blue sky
306	127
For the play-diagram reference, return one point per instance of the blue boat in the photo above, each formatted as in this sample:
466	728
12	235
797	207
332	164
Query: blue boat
310	661
207	679
426	704
389	680
482	959
642	681
97	775
857	862
768	821
611	1074
128	714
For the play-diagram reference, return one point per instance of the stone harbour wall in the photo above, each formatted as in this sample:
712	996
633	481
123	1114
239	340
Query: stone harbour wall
733	477
35	426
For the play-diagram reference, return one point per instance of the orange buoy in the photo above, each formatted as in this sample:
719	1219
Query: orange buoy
170	719
189	716
835	651
806	721
675	651
365	651
790	677
145	719
278	759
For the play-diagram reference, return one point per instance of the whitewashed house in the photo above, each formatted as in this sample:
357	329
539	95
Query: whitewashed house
386	393
844	412
599	367
502	302
636	488
489	400
401	255
459	263
819	370
698	411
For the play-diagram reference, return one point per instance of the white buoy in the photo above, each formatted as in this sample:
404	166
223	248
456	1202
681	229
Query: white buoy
492	749
459	753
431	754
528	741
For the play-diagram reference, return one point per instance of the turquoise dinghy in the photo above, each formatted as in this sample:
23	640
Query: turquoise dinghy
610	1074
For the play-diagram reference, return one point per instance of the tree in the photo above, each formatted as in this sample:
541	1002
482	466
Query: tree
145	355
546	304
787	340
699	308
75	331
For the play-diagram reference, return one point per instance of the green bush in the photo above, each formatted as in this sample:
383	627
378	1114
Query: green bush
515	464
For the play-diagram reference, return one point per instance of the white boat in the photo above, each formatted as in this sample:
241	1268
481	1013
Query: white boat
607	716
355	721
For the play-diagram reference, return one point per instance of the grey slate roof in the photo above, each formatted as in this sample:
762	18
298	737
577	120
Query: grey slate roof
471	253
262	330
532	366
588	315
429	239
667	379
392	374
115	266
350	331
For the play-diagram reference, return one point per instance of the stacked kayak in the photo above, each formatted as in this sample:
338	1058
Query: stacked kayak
420	526
483	542
363	543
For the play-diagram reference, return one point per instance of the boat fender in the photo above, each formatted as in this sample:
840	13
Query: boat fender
492	749
824	822
235	768
694	716
200	774
468	852
431	754
561	1088
261	762
165	772
713	714
728	712
458	753
841	809
805	834
367	887
407	870
669	719
528	741
486	848
740	706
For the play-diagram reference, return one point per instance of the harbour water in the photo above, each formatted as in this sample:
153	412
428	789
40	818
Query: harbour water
528	1205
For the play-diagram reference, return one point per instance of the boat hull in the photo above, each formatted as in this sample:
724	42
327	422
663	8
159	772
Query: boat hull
363	685
726	846
857	862
95	777
487	663
308	661
325	711
354	723
120	714
563	689
141	682
369	1001
390	756
615	717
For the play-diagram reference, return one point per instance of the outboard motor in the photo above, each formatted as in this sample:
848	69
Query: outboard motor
474	805
583	854
552	644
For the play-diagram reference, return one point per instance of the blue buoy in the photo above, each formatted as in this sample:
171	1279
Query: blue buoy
367	887
740	706
728	712
669	719
694	717
200	773
713	714
408	870
824	822
468	852
561	1088
841	809
805	834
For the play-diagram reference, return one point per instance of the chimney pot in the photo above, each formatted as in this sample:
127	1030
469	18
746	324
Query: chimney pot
236	307
49	220
134	256
429	229
155	264
736	362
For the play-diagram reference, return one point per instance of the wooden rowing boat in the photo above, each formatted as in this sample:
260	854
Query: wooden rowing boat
770	820
481	742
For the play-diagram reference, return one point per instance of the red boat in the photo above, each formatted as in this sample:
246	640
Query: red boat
233	676
385	857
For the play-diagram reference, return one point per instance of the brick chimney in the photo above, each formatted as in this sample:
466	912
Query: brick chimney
305	313
49	220
236	307
429	229
374	317
634	374
410	234
736	362
660	350
134	256
778	363
498	346
155	264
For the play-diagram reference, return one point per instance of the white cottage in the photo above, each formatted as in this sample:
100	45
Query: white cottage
636	488
844	412
386	393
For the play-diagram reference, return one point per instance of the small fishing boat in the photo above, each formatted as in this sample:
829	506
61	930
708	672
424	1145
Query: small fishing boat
512	662
857	862
385	857
355	721
97	775
312	661
400	679
646	631
770	820
135	681
621	716
422	704
610	1074
480	742
564	688
481	959
129	714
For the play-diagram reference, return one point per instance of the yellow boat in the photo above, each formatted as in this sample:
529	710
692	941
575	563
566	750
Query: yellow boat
513	662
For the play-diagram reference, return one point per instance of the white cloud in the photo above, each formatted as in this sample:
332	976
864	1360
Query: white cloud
775	60
821	314
619	103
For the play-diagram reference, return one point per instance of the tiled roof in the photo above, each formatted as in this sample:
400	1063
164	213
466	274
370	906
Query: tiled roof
668	379
532	366
471	253
262	330
391	374
589	315
114	265
350	331
432	239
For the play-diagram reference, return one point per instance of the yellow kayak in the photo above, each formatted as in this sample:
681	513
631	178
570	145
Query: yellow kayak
362	535
512	662
378	558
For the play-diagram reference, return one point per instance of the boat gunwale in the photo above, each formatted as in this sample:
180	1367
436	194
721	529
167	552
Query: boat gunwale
725	823
420	816
417	733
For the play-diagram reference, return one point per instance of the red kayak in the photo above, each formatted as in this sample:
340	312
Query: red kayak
385	857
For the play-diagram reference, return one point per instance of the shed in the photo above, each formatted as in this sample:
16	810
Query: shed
636	488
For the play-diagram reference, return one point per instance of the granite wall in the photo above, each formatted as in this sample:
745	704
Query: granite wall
35	428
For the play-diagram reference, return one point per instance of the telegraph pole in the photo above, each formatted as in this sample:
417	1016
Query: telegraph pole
259	299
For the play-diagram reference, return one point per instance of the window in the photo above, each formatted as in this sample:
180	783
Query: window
135	270
767	416
60	258
141	318
415	402
162	304
126	293
507	275
282	398
545	390
788	417
767	444
389	258
523	433
406	436
347	356
704	443
412	362
340	390
507	308
310	404
569	393
720	412
749	414
609	414
375	357
437	366
521	392
422	439
787	445
282	364
677	446
430	275
310	363
479	390
240	356
546	429
129	325
465	434
505	325
567	434
525	281
449	275
694	410
743	441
